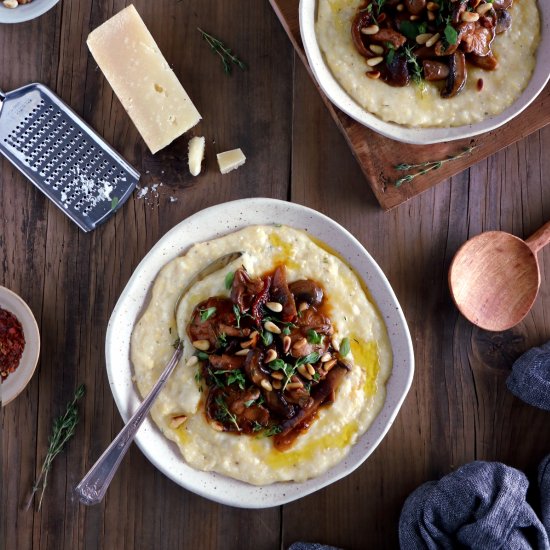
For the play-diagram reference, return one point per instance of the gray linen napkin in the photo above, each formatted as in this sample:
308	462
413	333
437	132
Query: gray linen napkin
479	506
530	377
544	485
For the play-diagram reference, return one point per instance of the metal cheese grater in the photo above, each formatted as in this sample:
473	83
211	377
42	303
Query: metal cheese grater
69	162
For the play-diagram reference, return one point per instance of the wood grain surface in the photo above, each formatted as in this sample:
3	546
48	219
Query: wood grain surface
458	409
376	153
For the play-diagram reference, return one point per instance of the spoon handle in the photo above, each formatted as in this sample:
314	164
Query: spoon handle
540	238
95	483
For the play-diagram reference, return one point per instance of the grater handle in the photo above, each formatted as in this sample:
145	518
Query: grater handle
2	96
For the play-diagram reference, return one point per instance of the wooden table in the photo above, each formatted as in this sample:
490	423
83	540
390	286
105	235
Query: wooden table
458	409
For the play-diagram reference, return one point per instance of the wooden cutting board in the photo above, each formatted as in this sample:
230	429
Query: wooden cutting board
376	154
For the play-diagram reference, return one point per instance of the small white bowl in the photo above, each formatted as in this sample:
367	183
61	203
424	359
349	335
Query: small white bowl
419	136
209	224
16	381
25	12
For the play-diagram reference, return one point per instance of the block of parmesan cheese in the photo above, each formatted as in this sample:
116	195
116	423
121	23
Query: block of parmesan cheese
230	160
142	79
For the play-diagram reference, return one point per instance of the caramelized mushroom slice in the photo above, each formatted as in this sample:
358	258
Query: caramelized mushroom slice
253	368
277	404
486	62
457	75
226	362
396	73
280	293
415	6
284	439
435	70
396	39
478	41
244	289
221	314
306	290
362	19
502	4
504	21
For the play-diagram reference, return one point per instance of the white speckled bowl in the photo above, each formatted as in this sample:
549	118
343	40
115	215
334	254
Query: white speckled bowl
25	12
209	224
16	381
406	134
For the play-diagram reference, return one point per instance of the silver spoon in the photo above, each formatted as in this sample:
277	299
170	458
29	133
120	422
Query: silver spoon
95	483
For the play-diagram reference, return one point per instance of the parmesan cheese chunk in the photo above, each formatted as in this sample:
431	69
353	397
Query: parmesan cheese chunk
230	160
142	79
196	154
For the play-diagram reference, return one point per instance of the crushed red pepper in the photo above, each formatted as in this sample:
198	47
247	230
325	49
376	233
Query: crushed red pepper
12	343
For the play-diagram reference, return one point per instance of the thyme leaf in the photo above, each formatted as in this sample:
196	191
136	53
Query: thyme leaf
427	166
207	313
223	414
226	55
63	429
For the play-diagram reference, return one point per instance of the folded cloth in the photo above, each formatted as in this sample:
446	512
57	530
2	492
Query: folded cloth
479	506
530	377
544	486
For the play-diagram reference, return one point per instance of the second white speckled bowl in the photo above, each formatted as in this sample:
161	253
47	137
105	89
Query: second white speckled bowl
406	134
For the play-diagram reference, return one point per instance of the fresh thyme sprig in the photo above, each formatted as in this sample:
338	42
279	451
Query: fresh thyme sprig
427	166
63	429
225	53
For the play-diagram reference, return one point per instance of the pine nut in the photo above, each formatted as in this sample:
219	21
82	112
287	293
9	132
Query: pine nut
247	343
271	355
414	17
469	16
277	384
326	357
277	375
201	345
400	7
192	361
274	306
303	306
373	74
373	61
310	369
423	38
294	386
304	372
242	352
432	6
266	385
286	343
371	29
482	9
217	426
272	327
10	3
432	16
335	344
177	421
433	40
375	48
327	366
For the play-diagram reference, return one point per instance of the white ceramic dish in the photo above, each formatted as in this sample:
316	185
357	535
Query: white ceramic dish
420	136
209	224
16	381
25	12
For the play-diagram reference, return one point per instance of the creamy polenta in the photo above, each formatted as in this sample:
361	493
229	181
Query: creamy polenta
422	106
254	459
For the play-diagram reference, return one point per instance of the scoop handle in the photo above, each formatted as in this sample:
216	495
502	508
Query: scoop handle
540	238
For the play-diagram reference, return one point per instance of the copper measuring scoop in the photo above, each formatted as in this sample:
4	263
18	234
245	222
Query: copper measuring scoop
494	278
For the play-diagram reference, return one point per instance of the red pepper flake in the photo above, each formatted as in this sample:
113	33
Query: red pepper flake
12	343
480	84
